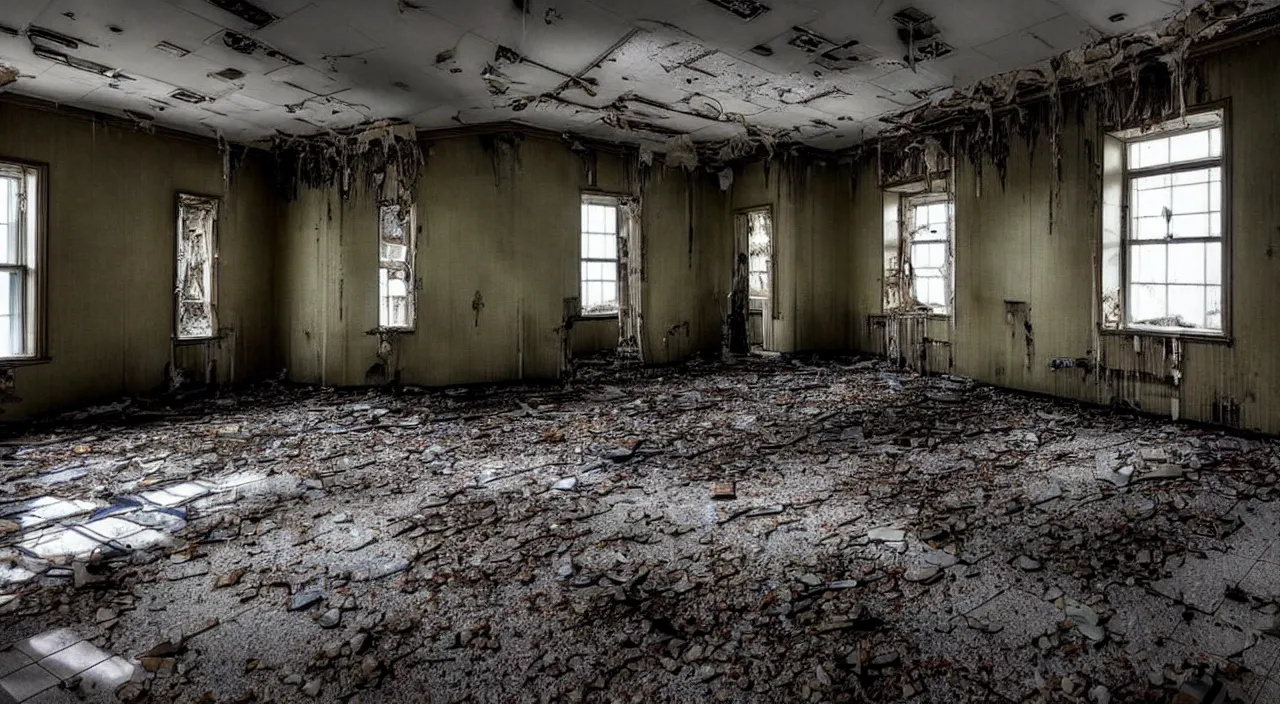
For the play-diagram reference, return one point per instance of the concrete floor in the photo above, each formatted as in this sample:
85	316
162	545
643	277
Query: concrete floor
770	530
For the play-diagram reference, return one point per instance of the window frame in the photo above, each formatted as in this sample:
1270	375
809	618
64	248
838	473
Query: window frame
409	264
1172	128
215	331
615	202
907	204
35	286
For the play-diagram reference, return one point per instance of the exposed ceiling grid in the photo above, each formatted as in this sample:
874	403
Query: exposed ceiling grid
817	71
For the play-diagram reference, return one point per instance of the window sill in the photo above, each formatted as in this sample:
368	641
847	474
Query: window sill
598	316
391	331
1212	338
196	340
10	362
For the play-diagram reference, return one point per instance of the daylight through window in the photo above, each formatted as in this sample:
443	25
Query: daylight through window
928	223
1173	235
599	255
197	254
395	275
19	223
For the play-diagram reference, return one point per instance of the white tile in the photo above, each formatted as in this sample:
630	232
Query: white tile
48	643
73	660
106	676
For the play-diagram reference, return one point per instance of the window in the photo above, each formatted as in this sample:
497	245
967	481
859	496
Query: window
760	252
395	272
1172	259
927	219
197	253
599	255
19	249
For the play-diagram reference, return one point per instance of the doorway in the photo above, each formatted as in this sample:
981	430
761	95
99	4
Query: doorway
756	280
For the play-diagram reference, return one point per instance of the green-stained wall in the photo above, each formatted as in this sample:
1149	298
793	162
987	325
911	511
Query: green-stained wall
812	204
111	243
497	255
1017	256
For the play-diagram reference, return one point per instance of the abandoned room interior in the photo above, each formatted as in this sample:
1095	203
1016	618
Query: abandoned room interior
669	351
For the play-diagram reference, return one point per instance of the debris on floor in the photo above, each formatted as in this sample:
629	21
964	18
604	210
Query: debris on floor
761	530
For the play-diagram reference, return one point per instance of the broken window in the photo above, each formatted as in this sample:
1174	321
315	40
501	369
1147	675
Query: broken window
19	249
395	272
926	220
1171	263
197	255
599	255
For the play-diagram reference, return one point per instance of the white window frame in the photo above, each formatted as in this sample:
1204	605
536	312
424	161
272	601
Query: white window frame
209	272
913	234
27	262
1194	122
391	264
588	200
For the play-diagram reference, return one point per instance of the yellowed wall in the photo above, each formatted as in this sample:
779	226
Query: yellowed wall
1009	248
498	225
111	247
812	210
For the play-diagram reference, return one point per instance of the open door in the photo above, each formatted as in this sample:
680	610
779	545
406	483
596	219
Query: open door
755	250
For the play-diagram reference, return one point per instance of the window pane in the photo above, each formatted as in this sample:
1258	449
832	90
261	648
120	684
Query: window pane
1186	306
1150	202
1215	141
586	218
10	219
1189	147
606	247
1147	264
1213	307
1186	263
1191	199
610	215
11	311
1146	303
1151	229
1213	263
1153	152
1189	226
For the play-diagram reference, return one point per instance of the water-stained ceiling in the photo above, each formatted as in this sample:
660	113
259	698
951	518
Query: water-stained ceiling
816	71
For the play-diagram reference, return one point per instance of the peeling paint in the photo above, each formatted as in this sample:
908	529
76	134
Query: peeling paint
384	159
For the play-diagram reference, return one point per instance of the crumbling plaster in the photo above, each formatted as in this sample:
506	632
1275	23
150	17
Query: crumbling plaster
1028	223
821	72
112	210
498	223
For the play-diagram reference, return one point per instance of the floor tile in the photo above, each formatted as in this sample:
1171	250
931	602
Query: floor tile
104	678
27	682
48	643
12	660
72	661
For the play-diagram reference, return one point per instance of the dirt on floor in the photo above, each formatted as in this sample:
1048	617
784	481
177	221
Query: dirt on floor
764	530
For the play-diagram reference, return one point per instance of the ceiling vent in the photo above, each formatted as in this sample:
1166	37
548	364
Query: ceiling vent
172	49
249	46
809	42
246	11
229	74
918	32
844	57
188	96
51	36
746	9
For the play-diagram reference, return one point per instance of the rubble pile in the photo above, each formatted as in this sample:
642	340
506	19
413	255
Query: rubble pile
760	530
